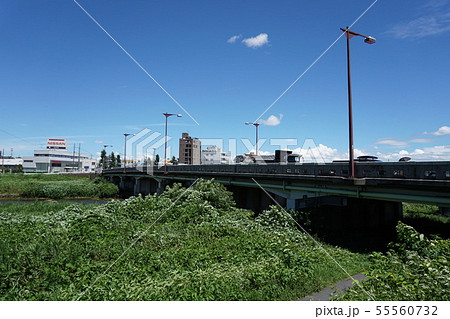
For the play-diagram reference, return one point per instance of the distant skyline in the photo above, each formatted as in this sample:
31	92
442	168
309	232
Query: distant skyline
221	64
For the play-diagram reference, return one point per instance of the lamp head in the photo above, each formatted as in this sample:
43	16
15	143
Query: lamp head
370	40
179	115
247	123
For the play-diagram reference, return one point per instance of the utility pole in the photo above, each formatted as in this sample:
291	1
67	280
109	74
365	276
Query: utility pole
79	155
73	157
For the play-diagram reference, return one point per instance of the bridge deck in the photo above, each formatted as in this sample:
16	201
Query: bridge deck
402	189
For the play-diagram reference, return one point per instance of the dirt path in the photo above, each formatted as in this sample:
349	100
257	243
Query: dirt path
340	286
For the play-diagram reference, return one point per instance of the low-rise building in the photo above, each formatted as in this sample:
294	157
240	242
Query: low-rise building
214	155
10	163
56	158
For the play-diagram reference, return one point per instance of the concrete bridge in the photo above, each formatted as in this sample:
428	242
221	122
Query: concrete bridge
372	200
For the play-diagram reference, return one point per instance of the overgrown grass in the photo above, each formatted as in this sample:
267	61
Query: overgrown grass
55	186
15	183
38	208
193	245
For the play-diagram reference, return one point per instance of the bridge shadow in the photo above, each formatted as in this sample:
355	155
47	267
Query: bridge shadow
429	224
338	226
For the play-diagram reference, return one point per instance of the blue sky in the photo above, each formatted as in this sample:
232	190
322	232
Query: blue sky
63	77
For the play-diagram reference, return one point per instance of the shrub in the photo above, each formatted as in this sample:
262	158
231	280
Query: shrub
416	268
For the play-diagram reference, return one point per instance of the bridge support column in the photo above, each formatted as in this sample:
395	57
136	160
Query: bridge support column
161	186
290	204
137	186
122	182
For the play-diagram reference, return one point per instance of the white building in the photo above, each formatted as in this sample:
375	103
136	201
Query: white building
214	155
10	163
56	158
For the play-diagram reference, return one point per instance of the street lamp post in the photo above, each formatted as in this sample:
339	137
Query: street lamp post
104	160
167	115
256	126
125	151
369	40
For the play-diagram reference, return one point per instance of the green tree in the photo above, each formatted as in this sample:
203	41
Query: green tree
157	159
102	162
174	161
118	160
112	162
18	169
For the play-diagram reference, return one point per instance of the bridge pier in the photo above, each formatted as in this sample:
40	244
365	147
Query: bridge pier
291	204
137	186
254	199
355	214
162	183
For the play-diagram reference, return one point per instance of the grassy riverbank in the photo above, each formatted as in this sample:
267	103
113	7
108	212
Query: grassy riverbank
54	186
184	245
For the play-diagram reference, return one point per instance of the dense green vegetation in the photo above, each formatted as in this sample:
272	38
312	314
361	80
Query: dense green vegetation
55	186
415	268
188	245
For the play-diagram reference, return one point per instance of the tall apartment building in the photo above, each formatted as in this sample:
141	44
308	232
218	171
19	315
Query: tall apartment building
190	150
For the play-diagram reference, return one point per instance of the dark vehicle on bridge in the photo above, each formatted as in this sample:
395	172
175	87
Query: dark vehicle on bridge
367	158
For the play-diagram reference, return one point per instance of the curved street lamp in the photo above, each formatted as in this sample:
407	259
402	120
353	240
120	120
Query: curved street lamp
167	115
125	151
256	126
369	40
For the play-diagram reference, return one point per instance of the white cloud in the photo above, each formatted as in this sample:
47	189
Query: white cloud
324	154
234	38
257	42
272	120
391	142
435	153
444	130
426	25
99	142
434	4
421	140
317	154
